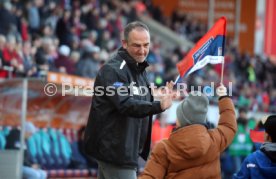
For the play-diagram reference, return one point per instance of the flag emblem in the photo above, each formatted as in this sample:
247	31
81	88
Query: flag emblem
209	49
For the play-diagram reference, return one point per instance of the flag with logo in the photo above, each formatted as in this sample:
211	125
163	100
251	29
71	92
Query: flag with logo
209	49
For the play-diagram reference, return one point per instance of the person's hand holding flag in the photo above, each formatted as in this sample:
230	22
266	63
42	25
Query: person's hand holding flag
221	90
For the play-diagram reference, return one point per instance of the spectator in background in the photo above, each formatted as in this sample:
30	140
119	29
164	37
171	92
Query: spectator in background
42	63
11	57
64	29
33	15
78	26
46	55
52	17
193	150
7	18
89	65
105	39
2	45
242	144
227	165
262	163
30	170
75	45
47	31
75	57
63	62
92	37
169	65
28	61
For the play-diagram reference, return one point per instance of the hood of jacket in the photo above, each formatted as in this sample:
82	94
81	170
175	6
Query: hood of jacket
270	150
191	141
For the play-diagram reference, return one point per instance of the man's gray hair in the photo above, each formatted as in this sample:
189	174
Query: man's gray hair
134	25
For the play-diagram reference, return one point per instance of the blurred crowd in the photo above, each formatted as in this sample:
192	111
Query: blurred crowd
77	37
73	37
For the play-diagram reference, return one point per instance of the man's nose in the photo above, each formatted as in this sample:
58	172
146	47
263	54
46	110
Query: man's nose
142	49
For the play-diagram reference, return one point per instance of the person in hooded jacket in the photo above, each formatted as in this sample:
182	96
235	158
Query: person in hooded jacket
193	150
261	164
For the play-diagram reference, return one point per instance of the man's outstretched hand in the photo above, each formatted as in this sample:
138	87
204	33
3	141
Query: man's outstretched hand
166	97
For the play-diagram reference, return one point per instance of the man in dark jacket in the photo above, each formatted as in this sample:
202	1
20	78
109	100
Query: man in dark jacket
119	125
262	163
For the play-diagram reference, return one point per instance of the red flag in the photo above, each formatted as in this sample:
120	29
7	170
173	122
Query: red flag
209	49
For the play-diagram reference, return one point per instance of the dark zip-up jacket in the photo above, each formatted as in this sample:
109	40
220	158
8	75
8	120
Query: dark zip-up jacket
119	126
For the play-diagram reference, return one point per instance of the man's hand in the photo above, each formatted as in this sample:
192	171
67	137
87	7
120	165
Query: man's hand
166	97
170	85
221	90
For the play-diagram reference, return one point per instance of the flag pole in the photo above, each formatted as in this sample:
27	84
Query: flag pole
177	78
222	71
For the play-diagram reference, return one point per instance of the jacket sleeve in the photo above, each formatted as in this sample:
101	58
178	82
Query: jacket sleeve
227	125
115	83
156	167
243	173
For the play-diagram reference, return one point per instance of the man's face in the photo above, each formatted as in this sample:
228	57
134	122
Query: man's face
137	44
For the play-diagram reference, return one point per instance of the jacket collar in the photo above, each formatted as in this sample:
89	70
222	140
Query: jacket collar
138	67
204	124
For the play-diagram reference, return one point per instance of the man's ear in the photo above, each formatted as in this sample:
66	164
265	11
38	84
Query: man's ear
124	43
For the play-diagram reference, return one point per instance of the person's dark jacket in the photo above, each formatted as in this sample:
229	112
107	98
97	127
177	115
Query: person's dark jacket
13	139
7	20
119	126
63	32
260	164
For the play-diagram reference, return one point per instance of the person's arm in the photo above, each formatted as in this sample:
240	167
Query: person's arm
244	172
157	164
227	125
125	102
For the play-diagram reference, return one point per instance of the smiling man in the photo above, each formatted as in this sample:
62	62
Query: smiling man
119	124
137	41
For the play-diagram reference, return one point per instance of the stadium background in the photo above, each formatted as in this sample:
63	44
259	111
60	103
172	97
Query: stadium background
67	41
